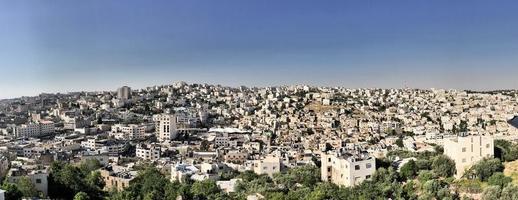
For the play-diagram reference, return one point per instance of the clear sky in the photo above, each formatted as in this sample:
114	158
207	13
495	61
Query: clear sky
64	45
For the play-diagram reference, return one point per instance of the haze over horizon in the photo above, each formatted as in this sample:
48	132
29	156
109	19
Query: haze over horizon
94	45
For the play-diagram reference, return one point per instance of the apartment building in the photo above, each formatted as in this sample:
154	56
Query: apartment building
33	129
116	180
37	177
467	150
347	169
165	127
270	165
148	152
129	132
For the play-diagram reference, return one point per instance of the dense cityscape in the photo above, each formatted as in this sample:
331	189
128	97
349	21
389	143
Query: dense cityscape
201	141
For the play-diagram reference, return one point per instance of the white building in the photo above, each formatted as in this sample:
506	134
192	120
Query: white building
34	129
165	127
37	177
182	172
148	152
468	150
129	132
347	170
270	165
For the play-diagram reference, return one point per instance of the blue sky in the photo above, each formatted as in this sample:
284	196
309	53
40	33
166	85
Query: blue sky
63	45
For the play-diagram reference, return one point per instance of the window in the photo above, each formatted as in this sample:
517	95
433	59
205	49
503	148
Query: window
487	146
464	160
368	165
38	180
368	176
357	167
329	160
463	149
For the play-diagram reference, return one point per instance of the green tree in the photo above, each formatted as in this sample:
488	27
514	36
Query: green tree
423	164
425	175
81	196
409	170
27	188
11	191
307	175
95	180
491	193
499	179
484	169
399	142
443	166
506	150
88	165
203	189
510	192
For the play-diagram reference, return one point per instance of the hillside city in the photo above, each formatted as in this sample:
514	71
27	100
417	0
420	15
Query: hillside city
202	141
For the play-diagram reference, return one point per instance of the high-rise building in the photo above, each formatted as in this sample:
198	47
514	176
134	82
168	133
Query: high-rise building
467	150
346	169
124	93
165	127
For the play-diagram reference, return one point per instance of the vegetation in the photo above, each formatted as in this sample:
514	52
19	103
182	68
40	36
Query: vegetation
443	166
484	169
67	181
506	150
427	176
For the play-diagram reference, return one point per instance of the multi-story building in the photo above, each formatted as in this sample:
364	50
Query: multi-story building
129	132
34	129
467	150
347	169
124	93
116	180
270	165
37	177
165	127
148	152
236	156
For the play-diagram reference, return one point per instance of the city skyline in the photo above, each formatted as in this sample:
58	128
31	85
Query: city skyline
102	45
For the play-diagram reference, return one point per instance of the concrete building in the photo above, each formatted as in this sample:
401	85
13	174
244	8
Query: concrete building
467	150
236	157
148	152
181	172
33	129
124	93
129	132
346	169
270	165
117	180
37	177
165	127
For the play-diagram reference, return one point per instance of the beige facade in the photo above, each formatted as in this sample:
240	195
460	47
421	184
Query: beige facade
34	129
346	170
148	152
119	181
165	127
468	150
269	165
